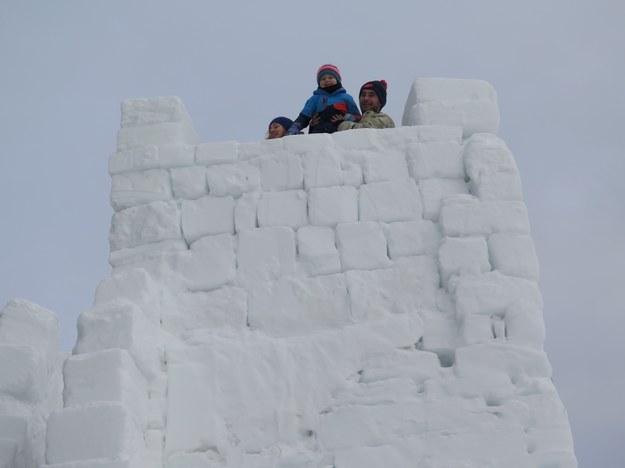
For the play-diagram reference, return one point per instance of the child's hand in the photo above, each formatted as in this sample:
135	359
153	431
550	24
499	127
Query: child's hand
293	129
330	114
314	121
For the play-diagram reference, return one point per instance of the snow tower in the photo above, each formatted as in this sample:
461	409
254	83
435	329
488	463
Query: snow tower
365	299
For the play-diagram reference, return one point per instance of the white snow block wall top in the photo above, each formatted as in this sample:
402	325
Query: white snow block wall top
470	104
362	299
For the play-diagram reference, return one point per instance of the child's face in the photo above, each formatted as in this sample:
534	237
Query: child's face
327	80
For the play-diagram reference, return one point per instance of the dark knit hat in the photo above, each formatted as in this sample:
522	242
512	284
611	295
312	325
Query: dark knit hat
284	121
328	69
379	88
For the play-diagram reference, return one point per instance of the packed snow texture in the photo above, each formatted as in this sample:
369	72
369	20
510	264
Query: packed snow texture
31	383
362	299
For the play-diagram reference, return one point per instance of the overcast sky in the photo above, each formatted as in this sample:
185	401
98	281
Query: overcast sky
558	67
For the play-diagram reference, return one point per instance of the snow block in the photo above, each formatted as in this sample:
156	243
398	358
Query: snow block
434	191
198	375
245	211
470	104
216	153
328	206
365	139
209	263
514	254
493	388
462	255
437	158
146	256
317	250
24	323
514	361
407	238
292	305
256	149
361	425
418	366
322	169
155	222
188	312
266	252
151	157
463	215
407	287
281	172
207	216
109	375
135	285
525	326
168	133
176	155
24	373
440	335
362	246
390	201
232	179
385	165
288	208
140	188
491	169
352	174
149	111
493	293
101	430
135	159
432	133
120	324
189	182
312	143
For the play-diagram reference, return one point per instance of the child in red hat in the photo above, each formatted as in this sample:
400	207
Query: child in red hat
330	101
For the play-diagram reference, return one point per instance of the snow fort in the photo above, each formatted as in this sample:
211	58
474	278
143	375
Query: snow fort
365	299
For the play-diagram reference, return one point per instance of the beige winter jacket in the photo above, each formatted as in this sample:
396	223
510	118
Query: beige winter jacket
370	119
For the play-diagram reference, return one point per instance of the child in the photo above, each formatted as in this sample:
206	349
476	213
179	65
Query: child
330	101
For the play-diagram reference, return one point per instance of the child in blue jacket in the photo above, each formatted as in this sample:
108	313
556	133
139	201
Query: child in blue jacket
330	101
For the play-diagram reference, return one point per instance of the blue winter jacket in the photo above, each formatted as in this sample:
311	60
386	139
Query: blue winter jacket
321	99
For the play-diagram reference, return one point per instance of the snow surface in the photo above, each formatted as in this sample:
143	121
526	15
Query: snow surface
362	299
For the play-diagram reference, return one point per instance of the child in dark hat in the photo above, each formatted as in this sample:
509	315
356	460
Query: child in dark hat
330	101
278	127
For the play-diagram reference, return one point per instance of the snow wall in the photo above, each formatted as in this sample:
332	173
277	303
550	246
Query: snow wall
364	299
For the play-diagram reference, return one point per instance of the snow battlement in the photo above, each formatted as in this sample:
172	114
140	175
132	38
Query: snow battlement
362	299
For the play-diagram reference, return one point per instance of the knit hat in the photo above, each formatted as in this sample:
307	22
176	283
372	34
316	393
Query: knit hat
284	121
328	69
379	88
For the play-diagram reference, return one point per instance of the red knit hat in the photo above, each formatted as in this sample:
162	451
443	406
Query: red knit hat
328	69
